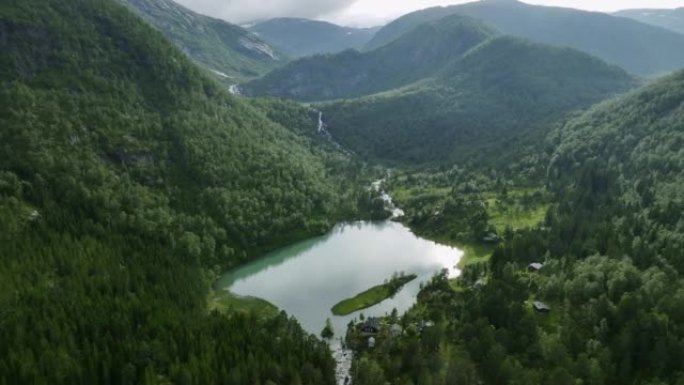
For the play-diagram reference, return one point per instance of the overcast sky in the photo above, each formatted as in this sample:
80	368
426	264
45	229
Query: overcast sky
373	12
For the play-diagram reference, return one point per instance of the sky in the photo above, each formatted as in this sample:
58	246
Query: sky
375	12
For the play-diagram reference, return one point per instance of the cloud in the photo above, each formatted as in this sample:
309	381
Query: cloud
242	11
372	12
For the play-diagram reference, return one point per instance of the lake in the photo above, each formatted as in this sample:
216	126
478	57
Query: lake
306	279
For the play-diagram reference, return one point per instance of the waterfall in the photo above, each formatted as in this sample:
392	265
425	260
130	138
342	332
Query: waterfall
235	90
322	128
325	134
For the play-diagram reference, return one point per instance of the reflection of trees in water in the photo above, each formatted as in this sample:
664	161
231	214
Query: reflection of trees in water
271	260
282	255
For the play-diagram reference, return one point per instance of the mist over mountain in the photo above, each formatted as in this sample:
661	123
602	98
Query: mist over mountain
672	19
638	48
303	37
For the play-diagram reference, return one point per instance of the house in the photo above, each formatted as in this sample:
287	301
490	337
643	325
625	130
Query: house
541	307
491	238
535	267
370	327
371	342
396	330
422	325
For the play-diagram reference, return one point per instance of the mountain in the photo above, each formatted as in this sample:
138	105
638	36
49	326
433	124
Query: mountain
128	180
638	48
641	134
485	108
303	37
606	305
672	19
419	54
230	52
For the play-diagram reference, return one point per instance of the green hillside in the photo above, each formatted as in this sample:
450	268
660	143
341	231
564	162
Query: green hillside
640	136
639	48
302	37
127	180
229	52
417	55
484	108
611	281
672	19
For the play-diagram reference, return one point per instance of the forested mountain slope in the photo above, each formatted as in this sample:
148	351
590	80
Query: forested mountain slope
611	281
126	178
672	19
639	48
229	51
419	54
639	137
482	108
304	37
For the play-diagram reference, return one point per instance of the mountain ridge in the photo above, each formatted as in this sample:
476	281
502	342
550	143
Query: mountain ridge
672	19
128	180
501	92
419	54
228	51
639	48
298	37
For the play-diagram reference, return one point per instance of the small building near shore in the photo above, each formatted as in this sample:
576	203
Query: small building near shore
422	325
541	307
491	238
535	267
479	284
370	327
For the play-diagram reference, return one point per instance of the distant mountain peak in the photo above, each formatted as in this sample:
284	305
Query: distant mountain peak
214	43
639	48
299	37
419	54
502	2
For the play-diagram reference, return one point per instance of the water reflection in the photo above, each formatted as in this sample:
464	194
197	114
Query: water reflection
307	278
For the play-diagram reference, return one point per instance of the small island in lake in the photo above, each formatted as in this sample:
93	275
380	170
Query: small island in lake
373	296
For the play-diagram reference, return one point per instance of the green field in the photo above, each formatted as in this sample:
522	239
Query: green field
372	296
224	301
515	215
474	253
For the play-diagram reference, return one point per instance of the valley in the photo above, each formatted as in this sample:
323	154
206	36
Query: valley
479	194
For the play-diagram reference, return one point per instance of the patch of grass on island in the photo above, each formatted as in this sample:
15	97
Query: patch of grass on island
224	301
373	296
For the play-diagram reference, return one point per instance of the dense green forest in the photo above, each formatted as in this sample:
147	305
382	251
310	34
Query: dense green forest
420	54
304	37
452	90
639	48
128	179
492	103
227	51
610	245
